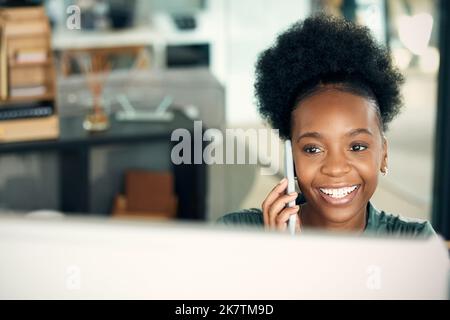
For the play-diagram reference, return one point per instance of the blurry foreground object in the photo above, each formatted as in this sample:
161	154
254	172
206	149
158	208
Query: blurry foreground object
72	258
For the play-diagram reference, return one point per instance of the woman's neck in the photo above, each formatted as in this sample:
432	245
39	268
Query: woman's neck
309	219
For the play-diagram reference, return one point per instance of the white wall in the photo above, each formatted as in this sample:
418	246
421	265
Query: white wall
238	30
250	27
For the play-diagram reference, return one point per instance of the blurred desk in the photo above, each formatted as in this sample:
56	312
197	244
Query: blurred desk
156	38
64	39
143	36
74	146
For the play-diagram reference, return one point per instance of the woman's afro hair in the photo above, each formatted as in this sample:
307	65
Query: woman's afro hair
324	50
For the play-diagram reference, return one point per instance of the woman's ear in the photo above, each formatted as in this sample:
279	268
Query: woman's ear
384	159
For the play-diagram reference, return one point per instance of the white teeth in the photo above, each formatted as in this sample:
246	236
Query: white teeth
338	193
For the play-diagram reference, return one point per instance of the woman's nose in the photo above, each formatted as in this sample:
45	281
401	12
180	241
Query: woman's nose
336	165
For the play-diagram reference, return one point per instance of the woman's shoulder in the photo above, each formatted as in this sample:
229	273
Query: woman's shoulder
378	222
381	222
247	217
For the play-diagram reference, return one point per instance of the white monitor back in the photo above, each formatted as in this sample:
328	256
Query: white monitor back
76	258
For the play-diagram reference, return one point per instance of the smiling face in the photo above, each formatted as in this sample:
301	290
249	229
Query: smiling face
338	150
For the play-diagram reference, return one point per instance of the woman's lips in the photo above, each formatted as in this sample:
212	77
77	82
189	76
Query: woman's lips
340	201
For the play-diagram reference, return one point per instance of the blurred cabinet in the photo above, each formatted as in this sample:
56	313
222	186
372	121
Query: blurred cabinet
75	145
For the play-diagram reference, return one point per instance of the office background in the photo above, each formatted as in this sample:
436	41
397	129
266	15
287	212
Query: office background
201	53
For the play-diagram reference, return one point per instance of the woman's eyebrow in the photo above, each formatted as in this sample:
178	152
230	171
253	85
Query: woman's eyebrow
310	135
351	133
355	132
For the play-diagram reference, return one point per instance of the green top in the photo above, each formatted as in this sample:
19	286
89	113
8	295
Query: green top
377	222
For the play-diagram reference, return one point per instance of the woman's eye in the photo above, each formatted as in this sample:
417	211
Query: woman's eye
358	147
311	150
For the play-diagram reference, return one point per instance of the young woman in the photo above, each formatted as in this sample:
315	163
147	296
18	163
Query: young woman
330	88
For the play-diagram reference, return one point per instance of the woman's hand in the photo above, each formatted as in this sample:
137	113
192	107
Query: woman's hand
275	213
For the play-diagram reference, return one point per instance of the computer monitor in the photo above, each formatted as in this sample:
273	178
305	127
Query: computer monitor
71	258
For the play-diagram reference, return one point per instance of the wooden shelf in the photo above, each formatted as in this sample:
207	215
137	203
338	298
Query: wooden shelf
29	129
29	64
32	98
24	30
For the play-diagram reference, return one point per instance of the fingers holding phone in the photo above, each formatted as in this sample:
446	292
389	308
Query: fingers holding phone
276	212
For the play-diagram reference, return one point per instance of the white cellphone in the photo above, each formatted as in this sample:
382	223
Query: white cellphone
289	174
